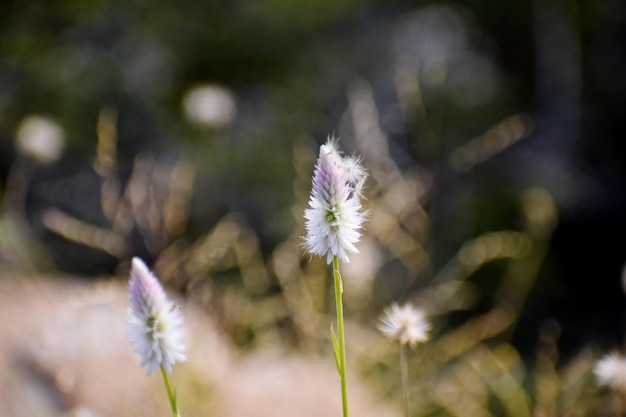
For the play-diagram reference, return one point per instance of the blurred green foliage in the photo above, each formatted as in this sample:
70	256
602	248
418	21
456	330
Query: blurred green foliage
483	124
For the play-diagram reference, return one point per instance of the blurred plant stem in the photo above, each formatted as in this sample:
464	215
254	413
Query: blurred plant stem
541	217
170	392
404	377
617	397
24	244
430	144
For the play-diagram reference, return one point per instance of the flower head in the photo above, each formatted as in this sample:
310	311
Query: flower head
611	370
210	106
155	323
41	138
405	324
335	216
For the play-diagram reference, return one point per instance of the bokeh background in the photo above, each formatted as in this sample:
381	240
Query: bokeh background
186	133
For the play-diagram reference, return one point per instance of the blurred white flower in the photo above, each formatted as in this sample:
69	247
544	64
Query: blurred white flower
335	216
40	138
611	370
405	324
155	323
209	106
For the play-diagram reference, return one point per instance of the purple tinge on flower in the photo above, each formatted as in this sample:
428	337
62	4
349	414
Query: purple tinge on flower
155	324
335	216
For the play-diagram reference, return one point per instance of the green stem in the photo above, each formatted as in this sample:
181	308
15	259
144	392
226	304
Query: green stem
404	380
340	330
170	392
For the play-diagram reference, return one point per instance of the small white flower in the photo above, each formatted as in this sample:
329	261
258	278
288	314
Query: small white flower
405	324
335	216
611	370
210	106
40	137
155	323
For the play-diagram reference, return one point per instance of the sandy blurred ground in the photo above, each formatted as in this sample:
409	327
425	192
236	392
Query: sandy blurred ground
64	352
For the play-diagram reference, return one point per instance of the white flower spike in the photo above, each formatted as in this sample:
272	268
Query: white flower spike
405	324
335	216
155	323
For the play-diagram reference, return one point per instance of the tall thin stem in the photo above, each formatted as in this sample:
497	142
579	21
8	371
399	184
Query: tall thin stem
170	392
342	343
404	380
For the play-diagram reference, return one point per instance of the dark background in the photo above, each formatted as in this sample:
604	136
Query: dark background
290	65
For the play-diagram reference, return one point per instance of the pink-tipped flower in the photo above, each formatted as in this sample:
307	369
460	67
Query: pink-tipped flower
405	324
335	216
155	323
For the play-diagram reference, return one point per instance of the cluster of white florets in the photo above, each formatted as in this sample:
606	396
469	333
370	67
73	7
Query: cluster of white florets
335	215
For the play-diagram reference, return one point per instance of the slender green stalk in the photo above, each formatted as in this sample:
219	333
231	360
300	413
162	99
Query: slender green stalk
404	380
341	355
170	392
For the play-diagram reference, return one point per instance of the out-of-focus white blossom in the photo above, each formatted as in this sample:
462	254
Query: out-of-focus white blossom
611	370
41	138
335	216
155	323
209	106
405	324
